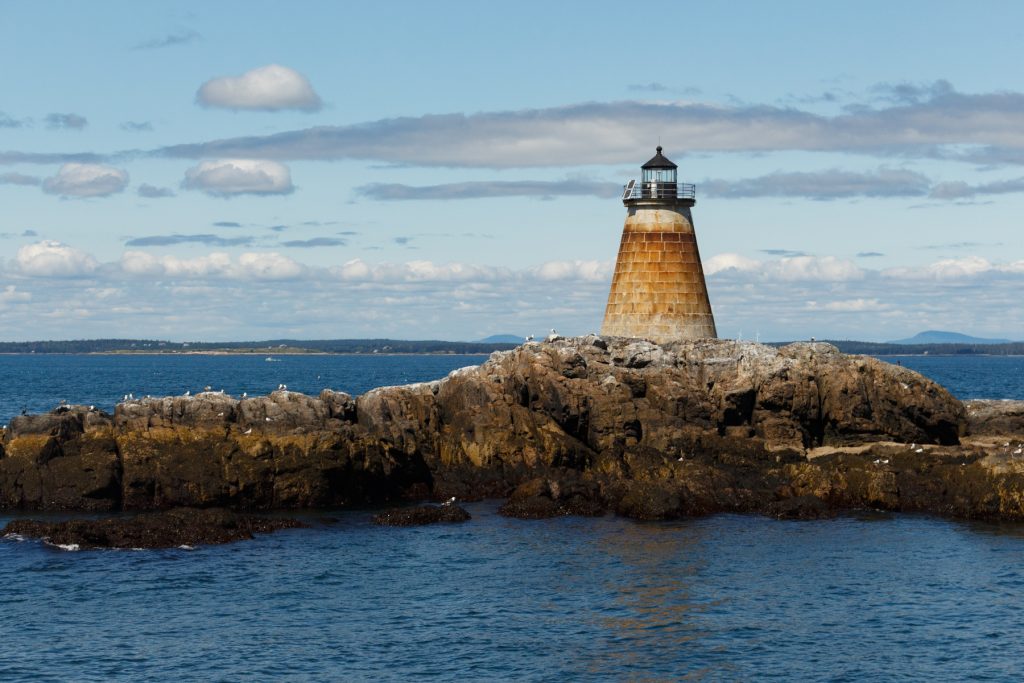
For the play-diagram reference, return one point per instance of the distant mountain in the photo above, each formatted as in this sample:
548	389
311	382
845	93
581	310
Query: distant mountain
502	339
939	337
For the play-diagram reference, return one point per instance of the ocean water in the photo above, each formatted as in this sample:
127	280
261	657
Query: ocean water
862	597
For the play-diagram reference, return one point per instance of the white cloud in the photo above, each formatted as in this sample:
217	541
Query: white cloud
849	305
228	177
590	271
828	268
270	87
11	295
54	259
728	261
788	269
248	266
269	266
946	269
86	180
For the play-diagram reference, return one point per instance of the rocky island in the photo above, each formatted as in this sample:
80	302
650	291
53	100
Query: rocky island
572	426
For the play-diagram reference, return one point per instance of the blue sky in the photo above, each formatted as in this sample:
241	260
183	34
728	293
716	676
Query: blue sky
451	170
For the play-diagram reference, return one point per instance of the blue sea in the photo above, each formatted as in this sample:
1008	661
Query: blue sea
867	596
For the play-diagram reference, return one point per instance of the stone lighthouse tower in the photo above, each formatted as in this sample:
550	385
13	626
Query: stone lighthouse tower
658	289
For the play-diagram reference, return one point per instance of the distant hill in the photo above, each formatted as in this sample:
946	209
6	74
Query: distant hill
501	339
940	337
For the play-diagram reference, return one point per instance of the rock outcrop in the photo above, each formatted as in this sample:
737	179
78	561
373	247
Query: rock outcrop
421	515
170	529
573	426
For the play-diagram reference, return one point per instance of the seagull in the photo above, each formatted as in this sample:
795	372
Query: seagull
913	445
245	395
681	458
248	431
919	450
529	337
131	397
220	414
1018	451
92	407
266	419
450	501
188	392
207	387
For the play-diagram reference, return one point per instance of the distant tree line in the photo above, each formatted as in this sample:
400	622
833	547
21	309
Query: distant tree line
885	349
269	346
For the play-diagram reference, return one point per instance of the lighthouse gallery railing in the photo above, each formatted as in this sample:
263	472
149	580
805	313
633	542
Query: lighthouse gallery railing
655	190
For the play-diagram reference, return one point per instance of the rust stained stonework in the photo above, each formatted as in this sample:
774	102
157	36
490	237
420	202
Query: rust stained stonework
658	290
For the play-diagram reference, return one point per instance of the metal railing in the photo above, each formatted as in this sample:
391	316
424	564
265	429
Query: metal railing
655	190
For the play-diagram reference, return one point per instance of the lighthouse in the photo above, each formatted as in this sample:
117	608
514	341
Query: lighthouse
658	290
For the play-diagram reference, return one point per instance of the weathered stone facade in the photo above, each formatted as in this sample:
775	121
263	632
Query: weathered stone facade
658	290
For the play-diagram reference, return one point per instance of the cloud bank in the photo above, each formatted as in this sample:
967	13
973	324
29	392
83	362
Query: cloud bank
773	298
483	189
941	124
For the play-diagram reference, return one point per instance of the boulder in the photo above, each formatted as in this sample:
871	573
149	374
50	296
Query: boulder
421	515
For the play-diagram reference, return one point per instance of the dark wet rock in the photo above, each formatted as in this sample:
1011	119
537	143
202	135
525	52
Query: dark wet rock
169	529
801	507
421	515
565	493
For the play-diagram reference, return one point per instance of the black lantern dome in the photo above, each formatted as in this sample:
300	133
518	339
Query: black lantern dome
659	169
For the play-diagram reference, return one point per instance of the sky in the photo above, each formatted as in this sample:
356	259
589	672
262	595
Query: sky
452	170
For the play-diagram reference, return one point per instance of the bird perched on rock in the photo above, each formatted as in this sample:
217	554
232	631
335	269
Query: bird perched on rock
450	501
248	431
529	337
553	336
188	392
245	395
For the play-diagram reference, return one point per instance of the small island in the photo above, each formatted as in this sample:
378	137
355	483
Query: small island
584	425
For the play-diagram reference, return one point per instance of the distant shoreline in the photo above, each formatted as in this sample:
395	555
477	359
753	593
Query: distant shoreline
245	353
